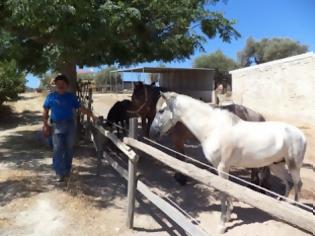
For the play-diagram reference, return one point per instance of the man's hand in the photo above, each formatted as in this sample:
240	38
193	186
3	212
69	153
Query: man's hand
46	130
88	113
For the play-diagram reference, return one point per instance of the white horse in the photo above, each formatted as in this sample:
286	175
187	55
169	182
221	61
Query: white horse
228	141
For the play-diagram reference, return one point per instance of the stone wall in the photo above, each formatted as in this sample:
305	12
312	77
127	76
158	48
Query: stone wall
283	88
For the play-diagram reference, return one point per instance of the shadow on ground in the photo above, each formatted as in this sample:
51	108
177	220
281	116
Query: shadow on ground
10	119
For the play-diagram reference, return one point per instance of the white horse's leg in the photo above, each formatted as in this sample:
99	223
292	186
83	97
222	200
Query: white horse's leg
229	208
280	171
294	163
295	173
225	204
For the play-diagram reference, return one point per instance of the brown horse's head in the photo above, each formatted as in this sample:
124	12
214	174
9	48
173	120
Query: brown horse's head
144	98
139	96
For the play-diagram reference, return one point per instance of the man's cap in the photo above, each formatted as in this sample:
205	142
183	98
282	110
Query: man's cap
61	77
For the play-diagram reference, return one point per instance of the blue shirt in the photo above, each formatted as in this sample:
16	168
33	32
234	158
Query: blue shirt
61	105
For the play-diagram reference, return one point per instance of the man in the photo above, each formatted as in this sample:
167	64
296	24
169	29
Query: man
62	105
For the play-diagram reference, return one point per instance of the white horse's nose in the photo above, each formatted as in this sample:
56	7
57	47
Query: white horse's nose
154	132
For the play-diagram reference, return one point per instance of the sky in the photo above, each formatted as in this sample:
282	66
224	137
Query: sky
293	19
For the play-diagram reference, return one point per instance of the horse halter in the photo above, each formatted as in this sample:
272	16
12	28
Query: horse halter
143	104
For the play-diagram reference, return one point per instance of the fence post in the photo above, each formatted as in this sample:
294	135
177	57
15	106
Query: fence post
99	146
132	178
90	101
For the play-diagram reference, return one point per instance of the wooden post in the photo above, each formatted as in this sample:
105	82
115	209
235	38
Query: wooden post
100	140
89	107
90	99
132	178
213	94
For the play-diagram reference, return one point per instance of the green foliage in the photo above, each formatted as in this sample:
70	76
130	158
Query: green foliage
216	60
46	79
268	50
46	34
12	81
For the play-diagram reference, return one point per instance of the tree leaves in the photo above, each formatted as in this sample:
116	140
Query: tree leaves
46	33
216	24
268	50
216	60
12	81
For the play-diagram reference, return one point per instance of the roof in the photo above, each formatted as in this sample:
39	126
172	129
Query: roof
161	69
284	60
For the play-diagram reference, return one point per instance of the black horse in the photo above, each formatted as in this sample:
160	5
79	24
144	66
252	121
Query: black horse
118	116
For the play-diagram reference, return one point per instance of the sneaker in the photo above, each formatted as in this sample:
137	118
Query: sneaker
60	178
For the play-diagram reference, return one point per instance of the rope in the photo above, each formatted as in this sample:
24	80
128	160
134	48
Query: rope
232	176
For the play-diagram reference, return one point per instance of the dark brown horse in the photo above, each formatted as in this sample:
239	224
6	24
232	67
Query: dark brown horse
118	116
144	99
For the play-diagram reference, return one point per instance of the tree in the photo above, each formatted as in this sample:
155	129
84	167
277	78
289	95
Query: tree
12	81
268	50
221	63
59	35
216	60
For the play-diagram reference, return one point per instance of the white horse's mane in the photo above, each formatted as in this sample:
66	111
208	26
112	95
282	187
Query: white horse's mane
234	118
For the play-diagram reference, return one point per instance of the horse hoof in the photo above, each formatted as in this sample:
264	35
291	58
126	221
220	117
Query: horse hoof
181	179
221	229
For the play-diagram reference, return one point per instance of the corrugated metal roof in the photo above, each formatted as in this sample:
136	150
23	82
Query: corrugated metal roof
160	69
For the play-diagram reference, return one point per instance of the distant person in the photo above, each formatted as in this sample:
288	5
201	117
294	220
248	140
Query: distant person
62	105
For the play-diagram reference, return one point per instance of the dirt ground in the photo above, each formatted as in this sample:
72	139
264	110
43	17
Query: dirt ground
32	203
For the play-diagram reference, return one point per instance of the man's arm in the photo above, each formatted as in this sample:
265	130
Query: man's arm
45	116
46	127
87	112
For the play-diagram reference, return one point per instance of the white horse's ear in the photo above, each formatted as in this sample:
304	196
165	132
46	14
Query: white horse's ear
163	95
169	98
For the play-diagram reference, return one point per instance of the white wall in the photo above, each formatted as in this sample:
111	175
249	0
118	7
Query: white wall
282	88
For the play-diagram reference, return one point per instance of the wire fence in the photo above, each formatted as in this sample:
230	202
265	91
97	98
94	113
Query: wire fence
232	176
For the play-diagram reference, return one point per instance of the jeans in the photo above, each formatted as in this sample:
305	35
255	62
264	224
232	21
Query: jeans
63	146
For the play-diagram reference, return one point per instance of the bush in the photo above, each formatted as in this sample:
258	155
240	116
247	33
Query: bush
12	81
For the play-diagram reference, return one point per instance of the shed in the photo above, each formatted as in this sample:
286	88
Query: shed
195	82
282	88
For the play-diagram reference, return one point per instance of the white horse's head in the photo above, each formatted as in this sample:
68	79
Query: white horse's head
165	118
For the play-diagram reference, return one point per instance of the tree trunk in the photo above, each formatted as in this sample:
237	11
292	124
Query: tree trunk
69	69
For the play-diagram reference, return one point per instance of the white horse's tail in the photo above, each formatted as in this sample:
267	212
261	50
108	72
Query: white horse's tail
297	149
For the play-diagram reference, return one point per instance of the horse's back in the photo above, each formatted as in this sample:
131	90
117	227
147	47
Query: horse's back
267	141
118	111
244	112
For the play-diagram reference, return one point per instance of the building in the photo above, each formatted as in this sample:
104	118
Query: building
195	82
280	88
